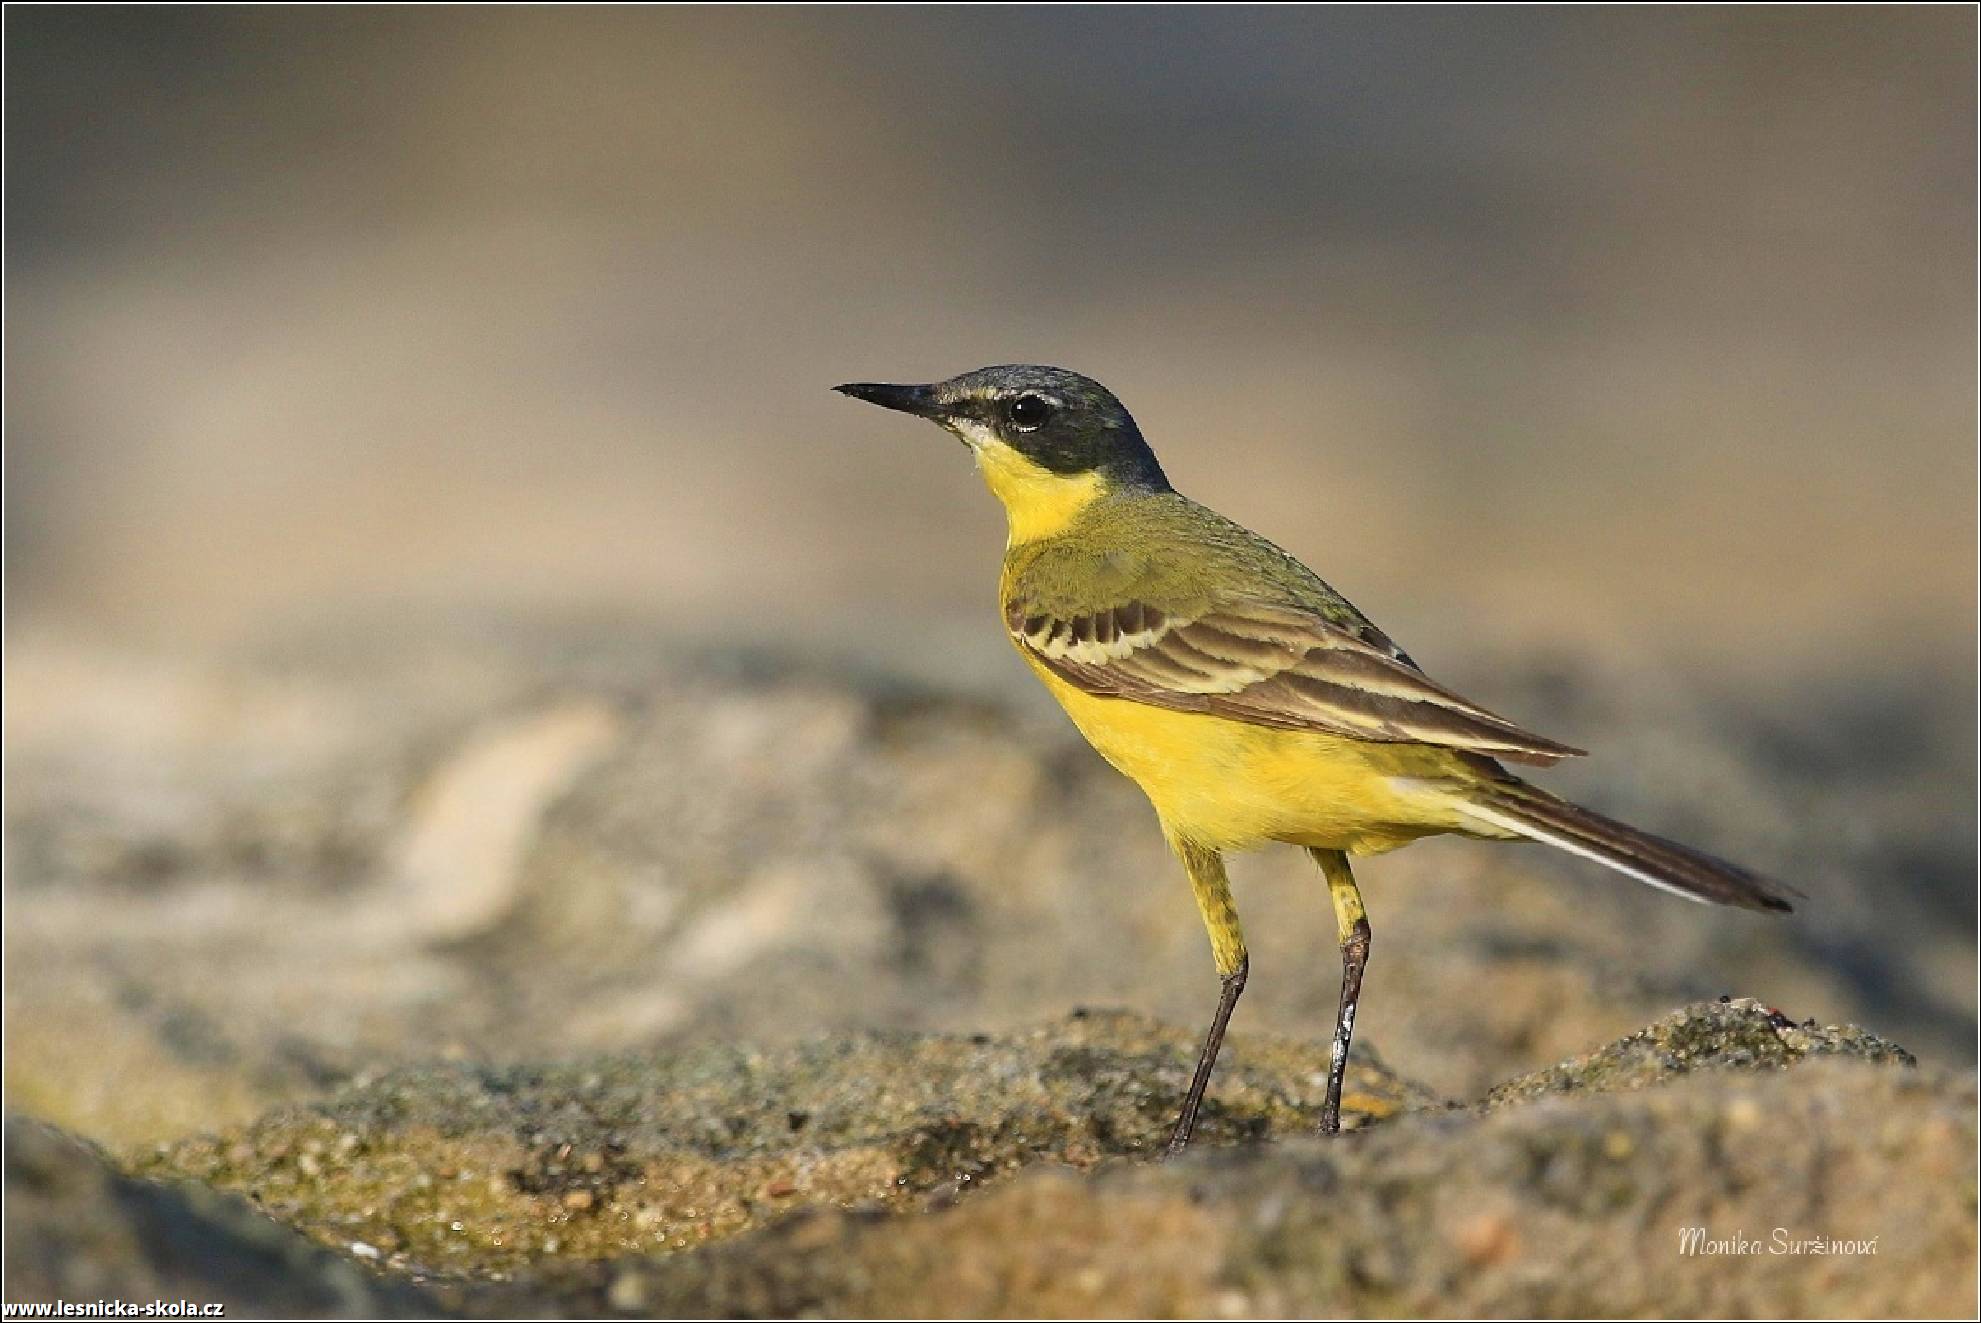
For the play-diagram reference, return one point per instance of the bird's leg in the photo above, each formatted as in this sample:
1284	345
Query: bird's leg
1353	924
1186	1122
1207	879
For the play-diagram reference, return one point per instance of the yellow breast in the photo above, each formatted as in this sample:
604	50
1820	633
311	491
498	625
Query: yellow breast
1230	785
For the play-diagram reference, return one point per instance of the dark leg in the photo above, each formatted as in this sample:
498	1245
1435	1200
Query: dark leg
1207	879
1186	1123
1353	925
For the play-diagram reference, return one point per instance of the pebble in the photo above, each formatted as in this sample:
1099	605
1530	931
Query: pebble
628	1293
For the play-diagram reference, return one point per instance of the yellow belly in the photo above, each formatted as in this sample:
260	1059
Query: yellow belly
1229	785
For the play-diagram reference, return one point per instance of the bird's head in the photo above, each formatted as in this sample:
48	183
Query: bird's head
1047	440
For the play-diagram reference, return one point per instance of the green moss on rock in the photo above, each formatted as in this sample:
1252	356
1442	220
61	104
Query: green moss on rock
477	1170
1730	1034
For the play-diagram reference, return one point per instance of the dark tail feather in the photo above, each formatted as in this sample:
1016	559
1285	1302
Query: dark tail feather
1535	814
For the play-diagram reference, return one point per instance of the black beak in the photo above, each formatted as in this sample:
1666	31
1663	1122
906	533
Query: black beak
918	400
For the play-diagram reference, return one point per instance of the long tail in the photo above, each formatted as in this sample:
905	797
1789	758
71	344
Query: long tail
1525	810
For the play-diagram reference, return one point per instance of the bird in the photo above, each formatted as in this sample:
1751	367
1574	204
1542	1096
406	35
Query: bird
1251	702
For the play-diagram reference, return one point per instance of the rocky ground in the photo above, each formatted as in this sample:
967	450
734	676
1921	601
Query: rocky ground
481	968
963	1176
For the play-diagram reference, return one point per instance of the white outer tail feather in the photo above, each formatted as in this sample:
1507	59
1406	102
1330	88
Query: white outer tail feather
1528	830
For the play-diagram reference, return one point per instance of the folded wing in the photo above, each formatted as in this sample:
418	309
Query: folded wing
1271	664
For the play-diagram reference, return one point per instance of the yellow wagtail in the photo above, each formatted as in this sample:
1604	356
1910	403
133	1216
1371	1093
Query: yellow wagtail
1249	700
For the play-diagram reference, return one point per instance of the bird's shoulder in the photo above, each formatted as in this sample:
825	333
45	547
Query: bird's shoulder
1162	602
1164	553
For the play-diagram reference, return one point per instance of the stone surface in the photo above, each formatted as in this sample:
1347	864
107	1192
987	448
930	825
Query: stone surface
1815	1170
304	923
1732	1034
79	1230
1558	1209
472	1170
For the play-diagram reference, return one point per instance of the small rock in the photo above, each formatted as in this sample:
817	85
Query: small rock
628	1292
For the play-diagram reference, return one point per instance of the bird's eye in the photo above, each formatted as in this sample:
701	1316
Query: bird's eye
1028	412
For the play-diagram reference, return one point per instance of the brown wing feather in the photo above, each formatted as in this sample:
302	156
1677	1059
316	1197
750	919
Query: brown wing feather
1272	665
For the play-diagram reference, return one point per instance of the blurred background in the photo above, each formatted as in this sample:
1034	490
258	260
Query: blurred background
412	414
1654	325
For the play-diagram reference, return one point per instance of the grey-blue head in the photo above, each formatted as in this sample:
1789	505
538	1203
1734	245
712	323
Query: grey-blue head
1060	420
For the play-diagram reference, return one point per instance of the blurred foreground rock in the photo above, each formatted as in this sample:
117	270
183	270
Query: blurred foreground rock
1008	1176
79	1230
334	898
1558	1209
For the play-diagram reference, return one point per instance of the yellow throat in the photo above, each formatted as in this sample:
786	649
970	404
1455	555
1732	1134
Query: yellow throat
1037	502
